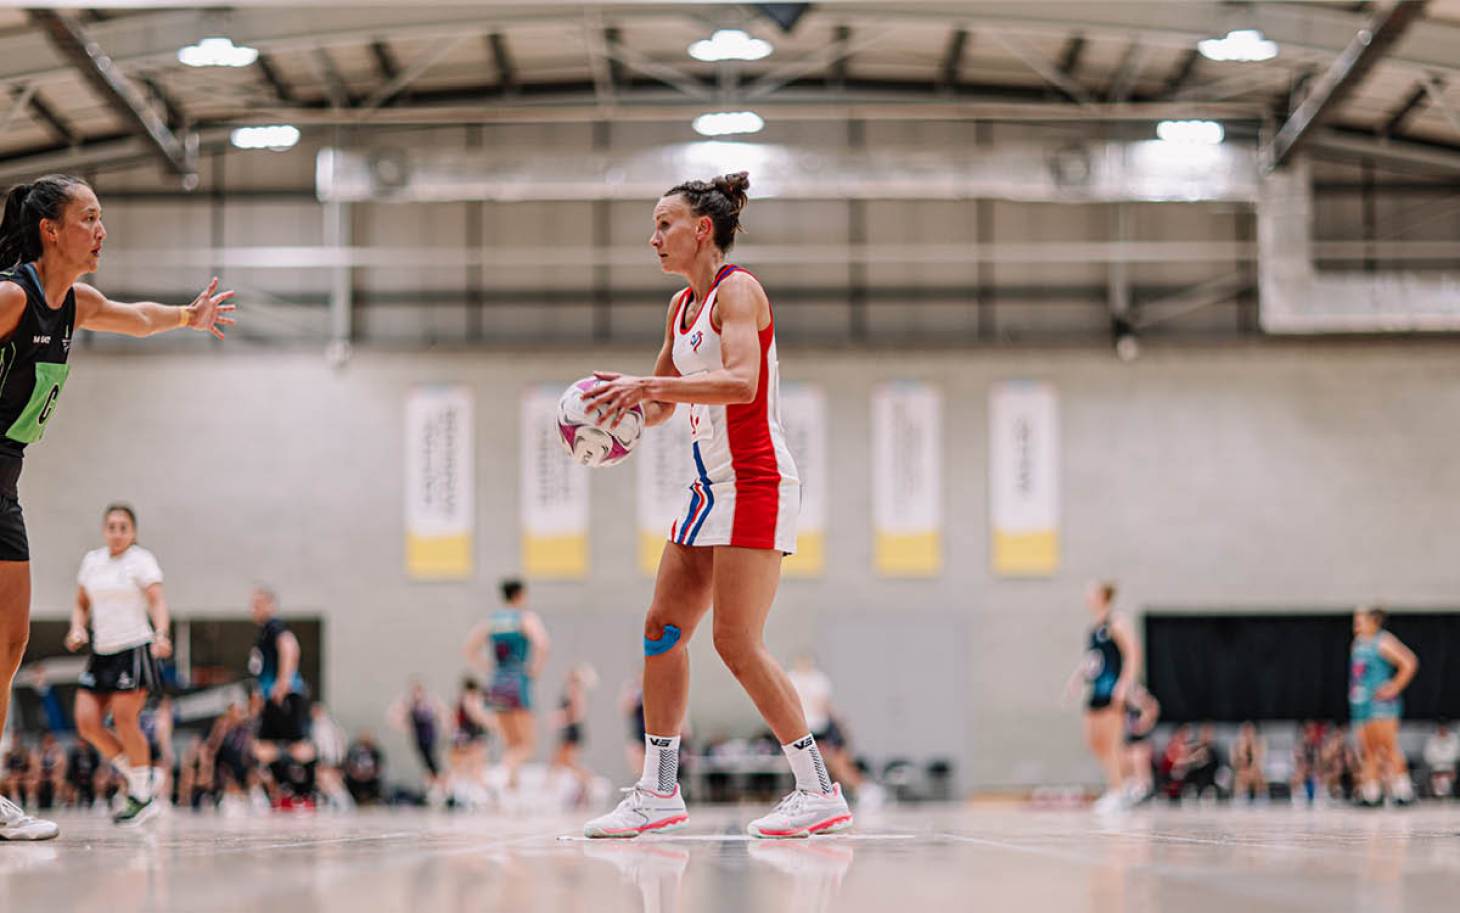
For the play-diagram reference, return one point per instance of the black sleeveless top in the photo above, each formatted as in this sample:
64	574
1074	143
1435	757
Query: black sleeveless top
33	365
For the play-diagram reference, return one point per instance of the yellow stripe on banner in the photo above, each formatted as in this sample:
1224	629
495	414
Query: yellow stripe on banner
810	557
438	557
651	548
560	557
909	555
1026	554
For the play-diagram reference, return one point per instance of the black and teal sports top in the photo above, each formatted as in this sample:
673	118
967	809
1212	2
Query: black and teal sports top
33	365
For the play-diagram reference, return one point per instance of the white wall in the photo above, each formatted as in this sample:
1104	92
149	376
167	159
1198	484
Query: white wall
1295	476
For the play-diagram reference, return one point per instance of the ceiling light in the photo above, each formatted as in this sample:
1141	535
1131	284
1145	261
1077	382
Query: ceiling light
724	123
1241	44
729	44
1191	132
217	52
277	137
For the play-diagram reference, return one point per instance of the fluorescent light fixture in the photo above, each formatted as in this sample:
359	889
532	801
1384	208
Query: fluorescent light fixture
729	44
277	137
1191	132
724	123
217	52
1246	45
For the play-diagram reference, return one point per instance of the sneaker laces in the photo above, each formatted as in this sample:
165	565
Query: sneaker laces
792	802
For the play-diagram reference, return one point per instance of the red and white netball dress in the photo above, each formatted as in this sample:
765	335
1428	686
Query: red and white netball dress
745	491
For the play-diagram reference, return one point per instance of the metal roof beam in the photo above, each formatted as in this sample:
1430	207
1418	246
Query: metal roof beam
1051	73
384	60
1366	48
502	58
271	75
1417	99
952	63
1181	74
410	74
98	70
1072	54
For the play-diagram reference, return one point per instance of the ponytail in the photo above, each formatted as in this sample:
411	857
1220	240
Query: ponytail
25	206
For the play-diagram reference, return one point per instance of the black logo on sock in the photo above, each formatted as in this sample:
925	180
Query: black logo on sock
659	743
804	743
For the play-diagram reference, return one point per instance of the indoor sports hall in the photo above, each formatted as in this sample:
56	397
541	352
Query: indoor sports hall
694	457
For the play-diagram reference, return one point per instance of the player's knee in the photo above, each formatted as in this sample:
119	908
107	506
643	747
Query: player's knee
660	638
736	650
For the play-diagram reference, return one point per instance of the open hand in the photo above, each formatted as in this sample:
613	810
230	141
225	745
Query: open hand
208	312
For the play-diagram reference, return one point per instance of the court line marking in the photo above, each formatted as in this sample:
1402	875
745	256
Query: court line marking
734	838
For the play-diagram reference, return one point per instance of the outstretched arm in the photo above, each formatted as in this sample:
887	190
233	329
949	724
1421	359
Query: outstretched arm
207	312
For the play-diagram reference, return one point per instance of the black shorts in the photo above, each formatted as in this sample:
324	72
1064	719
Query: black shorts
831	736
129	670
13	544
288	722
572	734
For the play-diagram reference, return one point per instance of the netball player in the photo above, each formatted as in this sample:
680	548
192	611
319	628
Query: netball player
1109	668
572	720
421	714
518	648
122	612
1380	668
282	745
51	235
719	358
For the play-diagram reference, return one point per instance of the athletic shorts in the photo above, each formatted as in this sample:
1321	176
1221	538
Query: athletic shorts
13	543
286	722
739	513
1374	711
572	734
130	670
1100	699
831	736
510	691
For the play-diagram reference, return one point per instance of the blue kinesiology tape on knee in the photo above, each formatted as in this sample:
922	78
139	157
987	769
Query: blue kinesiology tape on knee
665	642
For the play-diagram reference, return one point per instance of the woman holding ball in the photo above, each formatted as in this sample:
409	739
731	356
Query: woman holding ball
725	550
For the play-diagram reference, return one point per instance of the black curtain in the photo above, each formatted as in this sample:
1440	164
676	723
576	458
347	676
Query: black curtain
1231	668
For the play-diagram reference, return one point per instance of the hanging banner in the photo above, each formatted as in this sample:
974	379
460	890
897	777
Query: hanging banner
440	497
907	479
1024	478
665	472
803	416
553	491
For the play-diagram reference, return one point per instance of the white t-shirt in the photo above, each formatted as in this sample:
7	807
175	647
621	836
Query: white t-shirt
814	689
117	588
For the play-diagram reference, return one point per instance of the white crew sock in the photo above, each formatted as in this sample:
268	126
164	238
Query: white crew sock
807	765
661	763
139	783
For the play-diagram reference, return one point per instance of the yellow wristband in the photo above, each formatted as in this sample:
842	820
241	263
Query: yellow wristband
182	316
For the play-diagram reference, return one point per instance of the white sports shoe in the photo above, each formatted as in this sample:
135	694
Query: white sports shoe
15	824
802	814
640	811
1111	802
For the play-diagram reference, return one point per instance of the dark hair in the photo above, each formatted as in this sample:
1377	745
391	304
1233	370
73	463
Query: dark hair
511	589
1377	613
1107	591
721	199
469	684
121	509
25	206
